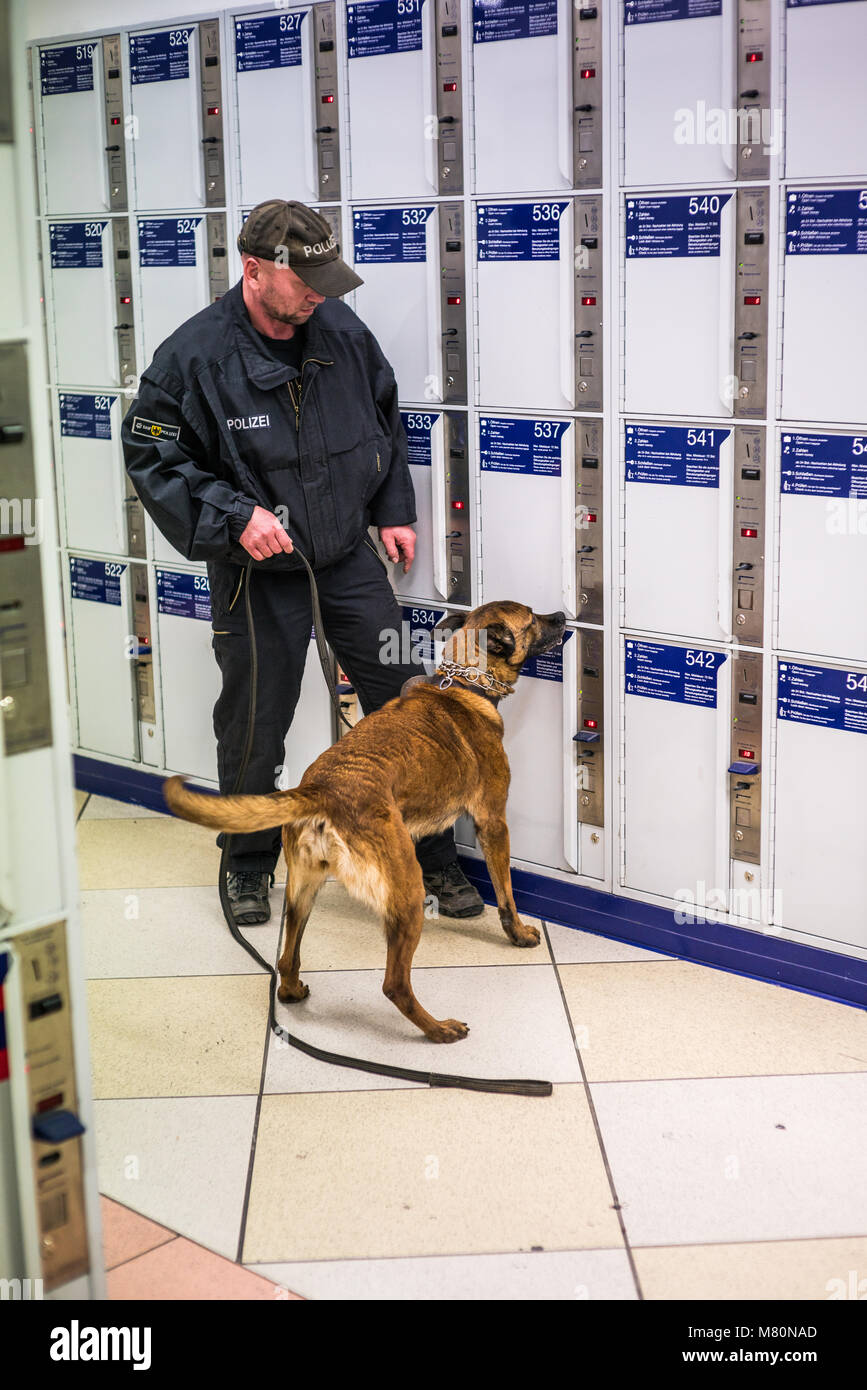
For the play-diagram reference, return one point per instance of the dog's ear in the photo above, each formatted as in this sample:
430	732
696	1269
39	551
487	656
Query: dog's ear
451	622
500	639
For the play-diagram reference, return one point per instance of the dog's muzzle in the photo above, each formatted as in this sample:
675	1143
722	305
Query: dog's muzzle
553	628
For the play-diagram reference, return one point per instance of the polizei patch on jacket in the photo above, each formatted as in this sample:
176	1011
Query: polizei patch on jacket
153	429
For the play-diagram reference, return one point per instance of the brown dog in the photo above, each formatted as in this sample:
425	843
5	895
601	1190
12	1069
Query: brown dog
406	770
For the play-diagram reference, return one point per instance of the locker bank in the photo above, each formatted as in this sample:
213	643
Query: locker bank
616	255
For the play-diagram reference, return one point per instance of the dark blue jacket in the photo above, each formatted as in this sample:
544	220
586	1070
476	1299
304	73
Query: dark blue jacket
219	426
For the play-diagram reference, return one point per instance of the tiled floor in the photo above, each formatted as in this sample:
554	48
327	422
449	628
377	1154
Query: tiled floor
705	1138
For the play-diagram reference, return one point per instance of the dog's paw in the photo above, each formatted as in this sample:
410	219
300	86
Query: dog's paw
448	1030
526	936
292	995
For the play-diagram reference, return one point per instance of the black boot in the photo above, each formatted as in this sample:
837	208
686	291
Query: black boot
455	895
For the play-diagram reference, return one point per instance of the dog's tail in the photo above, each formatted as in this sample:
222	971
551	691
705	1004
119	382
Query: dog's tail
241	813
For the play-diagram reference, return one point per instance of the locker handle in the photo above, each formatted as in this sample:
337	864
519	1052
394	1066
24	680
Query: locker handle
99	108
428	67
725	560
570	752
564	94
728	52
567	307
197	97
308	107
726	320
439	502
434	295
568	587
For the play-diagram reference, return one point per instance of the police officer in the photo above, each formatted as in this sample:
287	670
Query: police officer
269	418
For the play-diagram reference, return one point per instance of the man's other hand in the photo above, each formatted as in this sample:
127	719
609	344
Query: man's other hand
264	536
399	542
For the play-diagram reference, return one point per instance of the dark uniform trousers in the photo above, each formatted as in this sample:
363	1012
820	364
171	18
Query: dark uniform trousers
358	604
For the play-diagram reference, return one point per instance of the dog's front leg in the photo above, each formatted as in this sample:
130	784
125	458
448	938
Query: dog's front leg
493	836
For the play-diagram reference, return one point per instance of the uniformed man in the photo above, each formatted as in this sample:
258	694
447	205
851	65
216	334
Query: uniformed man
276	405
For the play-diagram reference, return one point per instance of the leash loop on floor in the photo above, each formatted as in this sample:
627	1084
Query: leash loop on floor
426	1078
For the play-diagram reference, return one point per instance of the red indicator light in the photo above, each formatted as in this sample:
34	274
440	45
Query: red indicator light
750	532
459	506
755	56
588	299
49	1103
746	753
326	100
588	72
589	516
752	299
213	110
450	86
454	299
11	543
591	723
115	120
126	299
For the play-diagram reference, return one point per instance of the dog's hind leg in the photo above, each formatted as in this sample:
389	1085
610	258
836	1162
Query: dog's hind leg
493	836
303	881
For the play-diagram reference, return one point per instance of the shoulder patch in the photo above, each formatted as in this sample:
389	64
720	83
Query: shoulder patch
152	429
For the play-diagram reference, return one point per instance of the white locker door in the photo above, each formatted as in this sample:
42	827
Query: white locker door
164	551
275	72
526	293
166	102
540	721
427	577
396	250
676	772
679	91
83	303
678	550
823	544
73	128
522	92
820	882
189	675
825	46
91	461
311	730
173	261
680	274
392	100
103	648
528	512
824	343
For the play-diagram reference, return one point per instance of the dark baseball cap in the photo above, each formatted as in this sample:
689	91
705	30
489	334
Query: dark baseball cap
293	234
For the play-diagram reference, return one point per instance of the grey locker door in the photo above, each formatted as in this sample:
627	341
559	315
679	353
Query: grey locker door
83	311
825	294
392	99
73	127
823	516
525	256
91	462
820	885
676	803
189	675
528	491
678	543
825	78
102	652
165	91
276	157
680	304
679	86
522	94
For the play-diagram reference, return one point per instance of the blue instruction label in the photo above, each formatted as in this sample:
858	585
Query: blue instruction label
680	226
657	11
496	20
86	417
549	665
417	636
826	222
97	581
673	455
521	446
824	465
76	245
268	41
819	695
519	231
686	675
163	56
383	26
67	69
183	595
418	426
167	241
390	236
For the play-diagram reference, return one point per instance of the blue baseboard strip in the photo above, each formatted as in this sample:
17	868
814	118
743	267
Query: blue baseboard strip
762	956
